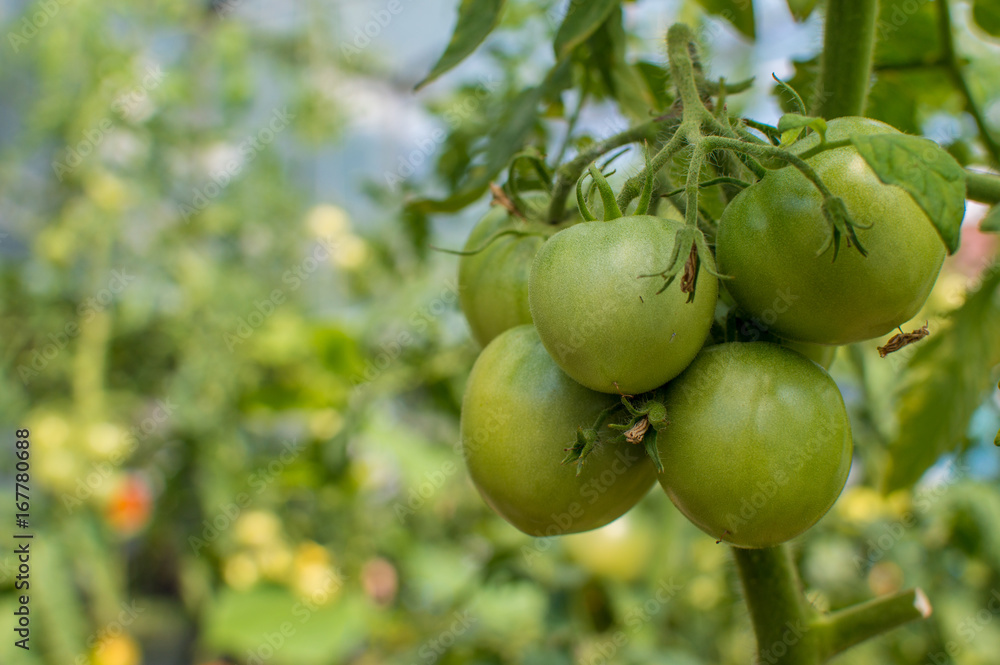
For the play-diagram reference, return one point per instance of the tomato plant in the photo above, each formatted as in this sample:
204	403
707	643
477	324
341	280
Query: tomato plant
770	235
519	413
762	468
826	229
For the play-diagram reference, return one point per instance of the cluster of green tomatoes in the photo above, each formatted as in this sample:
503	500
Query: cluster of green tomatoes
597	378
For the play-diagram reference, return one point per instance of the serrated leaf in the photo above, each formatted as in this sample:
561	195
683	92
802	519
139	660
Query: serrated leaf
791	121
945	384
801	9
927	172
582	20
991	222
476	20
737	12
986	14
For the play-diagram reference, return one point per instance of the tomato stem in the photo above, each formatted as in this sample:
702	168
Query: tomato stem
982	187
778	611
846	63
570	172
843	629
790	632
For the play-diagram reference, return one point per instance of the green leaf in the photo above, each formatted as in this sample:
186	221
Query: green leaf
791	121
656	79
582	20
991	222
620	80
986	14
504	142
737	12
945	384
927	172
801	9
476	20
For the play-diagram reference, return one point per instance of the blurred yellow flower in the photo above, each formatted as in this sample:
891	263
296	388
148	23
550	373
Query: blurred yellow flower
861	505
117	650
327	221
257	528
313	575
240	571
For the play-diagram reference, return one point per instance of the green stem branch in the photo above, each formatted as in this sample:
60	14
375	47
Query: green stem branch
982	187
570	172
846	65
841	630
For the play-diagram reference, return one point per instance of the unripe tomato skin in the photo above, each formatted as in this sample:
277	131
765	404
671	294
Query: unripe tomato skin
759	443
519	414
770	233
604	325
493	283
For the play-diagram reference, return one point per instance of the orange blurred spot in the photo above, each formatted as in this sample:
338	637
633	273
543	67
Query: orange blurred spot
380	581
130	505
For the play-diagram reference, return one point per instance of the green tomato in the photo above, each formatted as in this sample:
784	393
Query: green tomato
602	324
493	283
769	235
519	414
759	443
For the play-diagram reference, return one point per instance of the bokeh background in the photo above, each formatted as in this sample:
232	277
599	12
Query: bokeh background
241	362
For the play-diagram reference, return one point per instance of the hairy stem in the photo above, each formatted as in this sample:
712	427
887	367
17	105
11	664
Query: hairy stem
570	172
846	64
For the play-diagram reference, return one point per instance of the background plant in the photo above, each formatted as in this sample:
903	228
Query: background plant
364	534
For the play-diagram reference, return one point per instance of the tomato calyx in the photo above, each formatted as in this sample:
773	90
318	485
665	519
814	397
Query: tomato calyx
651	414
639	424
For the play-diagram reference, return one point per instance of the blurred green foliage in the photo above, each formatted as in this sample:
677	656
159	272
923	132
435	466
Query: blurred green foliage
243	401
